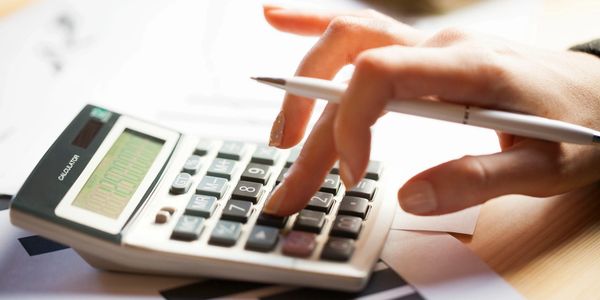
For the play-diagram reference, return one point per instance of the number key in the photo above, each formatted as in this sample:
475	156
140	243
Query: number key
309	220
246	190
321	202
365	188
331	184
237	210
257	172
346	226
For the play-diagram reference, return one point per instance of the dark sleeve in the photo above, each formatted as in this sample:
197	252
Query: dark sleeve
592	47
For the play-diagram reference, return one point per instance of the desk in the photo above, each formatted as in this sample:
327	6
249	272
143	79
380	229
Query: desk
546	248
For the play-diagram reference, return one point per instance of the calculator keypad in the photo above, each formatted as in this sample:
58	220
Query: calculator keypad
229	193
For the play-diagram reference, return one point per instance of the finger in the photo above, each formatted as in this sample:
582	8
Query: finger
530	168
397	72
305	22
344	39
306	174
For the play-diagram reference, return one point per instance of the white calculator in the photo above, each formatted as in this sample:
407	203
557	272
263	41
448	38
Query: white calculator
133	196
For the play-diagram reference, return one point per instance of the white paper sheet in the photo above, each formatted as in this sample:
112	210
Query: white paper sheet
441	267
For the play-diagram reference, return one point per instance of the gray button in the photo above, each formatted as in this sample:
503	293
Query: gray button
262	238
346	226
331	184
212	186
181	184
321	202
265	155
188	228
192	164
354	206
232	150
374	170
271	220
257	172
201	205
225	233
294	153
246	190
365	188
335	169
281	175
311	221
221	167
237	210
203	147
338	249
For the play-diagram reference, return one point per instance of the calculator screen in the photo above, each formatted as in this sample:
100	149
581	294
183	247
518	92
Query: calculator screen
112	184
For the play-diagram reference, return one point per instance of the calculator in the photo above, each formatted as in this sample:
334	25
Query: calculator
129	195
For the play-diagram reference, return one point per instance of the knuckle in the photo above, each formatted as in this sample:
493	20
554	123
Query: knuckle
448	36
342	25
475	171
371	63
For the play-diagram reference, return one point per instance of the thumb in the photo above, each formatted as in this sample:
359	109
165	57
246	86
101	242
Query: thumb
528	168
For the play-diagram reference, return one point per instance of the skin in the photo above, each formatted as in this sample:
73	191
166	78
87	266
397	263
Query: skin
394	61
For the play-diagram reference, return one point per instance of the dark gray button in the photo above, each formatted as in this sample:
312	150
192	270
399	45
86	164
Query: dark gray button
365	188
192	164
212	186
294	153
374	170
321	202
221	167
188	228
203	147
354	206
225	233
331	184
201	205
246	190
257	172
265	155
262	238
270	220
237	210
181	184
335	169
281	175
346	226
232	150
309	220
338	249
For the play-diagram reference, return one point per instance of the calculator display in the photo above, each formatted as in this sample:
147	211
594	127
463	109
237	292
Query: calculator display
116	178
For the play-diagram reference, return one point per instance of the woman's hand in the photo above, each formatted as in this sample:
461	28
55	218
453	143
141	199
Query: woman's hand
395	61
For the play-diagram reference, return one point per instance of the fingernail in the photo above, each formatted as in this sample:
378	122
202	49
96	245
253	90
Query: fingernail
418	197
346	174
275	200
277	130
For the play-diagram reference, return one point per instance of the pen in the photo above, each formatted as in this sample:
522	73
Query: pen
508	122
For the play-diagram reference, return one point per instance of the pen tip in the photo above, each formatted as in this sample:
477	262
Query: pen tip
272	80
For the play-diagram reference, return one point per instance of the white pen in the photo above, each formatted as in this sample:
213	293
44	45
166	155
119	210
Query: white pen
508	122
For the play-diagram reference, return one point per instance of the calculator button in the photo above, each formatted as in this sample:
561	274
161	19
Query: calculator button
237	210
221	167
265	155
309	220
212	186
338	249
232	150
225	233
346	226
203	147
246	190
271	220
257	172
365	188
374	170
331	184
354	206
281	175
294	153
321	202
188	228
262	238
201	205
168	209
335	169
192	164
299	244
162	217
181	184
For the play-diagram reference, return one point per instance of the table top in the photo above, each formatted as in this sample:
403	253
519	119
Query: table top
546	248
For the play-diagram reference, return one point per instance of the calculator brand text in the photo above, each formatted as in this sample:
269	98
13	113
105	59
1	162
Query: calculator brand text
68	167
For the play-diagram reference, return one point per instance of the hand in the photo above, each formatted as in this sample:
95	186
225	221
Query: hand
395	61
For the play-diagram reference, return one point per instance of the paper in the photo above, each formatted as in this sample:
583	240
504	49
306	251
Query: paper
459	222
441	267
